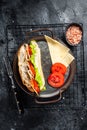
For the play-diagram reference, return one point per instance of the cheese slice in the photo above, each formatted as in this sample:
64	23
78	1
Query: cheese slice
59	52
67	60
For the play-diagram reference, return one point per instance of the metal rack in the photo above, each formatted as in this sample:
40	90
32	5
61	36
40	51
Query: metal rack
75	96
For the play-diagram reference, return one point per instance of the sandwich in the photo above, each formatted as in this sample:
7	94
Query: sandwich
30	68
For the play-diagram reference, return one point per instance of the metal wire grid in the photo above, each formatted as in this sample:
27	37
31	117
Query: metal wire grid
75	96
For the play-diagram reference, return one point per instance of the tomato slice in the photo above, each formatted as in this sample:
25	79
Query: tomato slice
58	67
56	79
29	51
35	86
32	68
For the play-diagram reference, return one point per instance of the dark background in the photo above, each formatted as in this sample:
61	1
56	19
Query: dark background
27	12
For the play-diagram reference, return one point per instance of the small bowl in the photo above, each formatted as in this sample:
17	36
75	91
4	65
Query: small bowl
74	34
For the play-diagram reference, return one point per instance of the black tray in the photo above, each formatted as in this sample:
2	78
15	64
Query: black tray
75	96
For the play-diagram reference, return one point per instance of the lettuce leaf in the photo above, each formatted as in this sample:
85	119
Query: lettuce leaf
38	77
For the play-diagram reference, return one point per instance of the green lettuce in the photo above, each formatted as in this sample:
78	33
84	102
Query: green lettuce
38	77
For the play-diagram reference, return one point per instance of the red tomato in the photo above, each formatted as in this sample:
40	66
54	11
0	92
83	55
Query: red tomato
35	85
29	51
56	79
32	68
58	67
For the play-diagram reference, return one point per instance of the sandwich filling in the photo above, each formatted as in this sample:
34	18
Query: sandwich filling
33	67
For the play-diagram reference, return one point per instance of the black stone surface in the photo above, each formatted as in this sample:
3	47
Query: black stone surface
39	12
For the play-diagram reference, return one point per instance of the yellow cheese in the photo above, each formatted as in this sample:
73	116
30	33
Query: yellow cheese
59	52
67	60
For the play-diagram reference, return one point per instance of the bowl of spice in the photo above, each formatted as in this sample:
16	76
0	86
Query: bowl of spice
73	34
